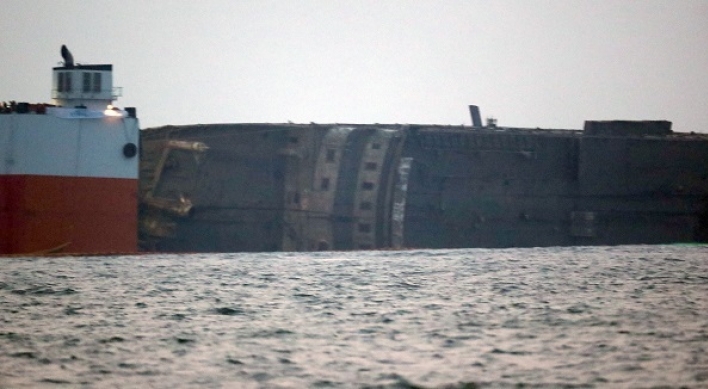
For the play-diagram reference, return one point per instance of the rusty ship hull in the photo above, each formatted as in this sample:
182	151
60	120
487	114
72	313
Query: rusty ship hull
307	187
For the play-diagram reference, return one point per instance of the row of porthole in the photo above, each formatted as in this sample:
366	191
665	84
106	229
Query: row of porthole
366	185
365	228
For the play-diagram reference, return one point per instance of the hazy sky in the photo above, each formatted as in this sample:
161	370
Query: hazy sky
549	64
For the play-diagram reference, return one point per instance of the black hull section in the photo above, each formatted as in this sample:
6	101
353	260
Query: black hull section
289	187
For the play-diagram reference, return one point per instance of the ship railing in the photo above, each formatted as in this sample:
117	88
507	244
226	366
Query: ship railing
115	93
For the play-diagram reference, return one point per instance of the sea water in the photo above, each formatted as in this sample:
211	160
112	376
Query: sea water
628	316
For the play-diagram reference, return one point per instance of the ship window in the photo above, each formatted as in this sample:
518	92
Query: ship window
292	139
367	185
365	205
364	227
97	82
87	82
330	155
376	146
64	82
324	184
293	197
370	166
67	82
60	82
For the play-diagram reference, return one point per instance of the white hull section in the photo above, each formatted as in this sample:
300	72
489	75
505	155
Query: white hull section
48	145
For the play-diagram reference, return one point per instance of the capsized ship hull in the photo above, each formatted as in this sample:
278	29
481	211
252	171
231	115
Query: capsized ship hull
291	187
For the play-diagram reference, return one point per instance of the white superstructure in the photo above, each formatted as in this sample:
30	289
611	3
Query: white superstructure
77	85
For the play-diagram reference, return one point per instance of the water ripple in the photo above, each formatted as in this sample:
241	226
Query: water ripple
628	316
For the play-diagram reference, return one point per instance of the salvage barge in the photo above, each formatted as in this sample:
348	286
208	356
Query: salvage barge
69	169
305	187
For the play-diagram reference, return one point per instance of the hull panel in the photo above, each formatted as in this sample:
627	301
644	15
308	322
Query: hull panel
349	187
48	214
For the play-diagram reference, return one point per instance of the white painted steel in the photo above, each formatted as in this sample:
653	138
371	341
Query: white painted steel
33	144
77	96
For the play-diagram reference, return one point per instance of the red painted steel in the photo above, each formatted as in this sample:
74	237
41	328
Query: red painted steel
49	214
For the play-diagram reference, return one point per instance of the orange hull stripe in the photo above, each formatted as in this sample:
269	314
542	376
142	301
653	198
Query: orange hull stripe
45	214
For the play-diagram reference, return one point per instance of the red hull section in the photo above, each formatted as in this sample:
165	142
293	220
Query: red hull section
78	215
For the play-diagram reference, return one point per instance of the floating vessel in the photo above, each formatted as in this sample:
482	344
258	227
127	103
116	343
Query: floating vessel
79	176
305	187
69	169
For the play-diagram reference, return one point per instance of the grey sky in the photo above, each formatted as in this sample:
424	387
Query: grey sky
549	64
